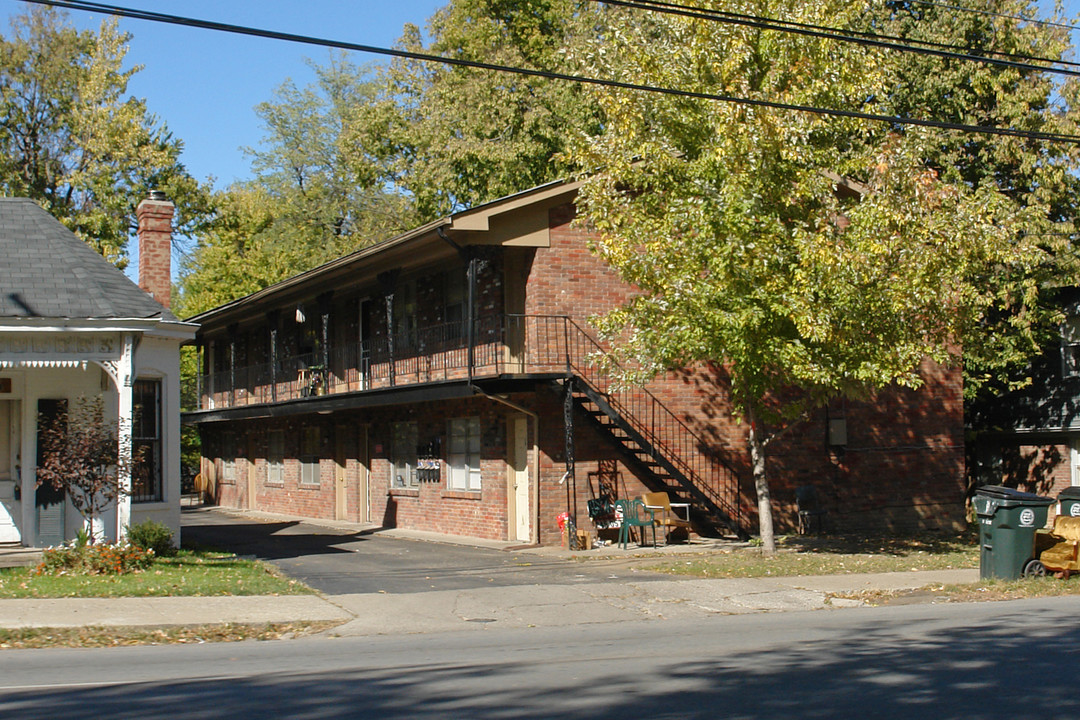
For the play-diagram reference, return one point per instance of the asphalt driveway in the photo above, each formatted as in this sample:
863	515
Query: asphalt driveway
339	561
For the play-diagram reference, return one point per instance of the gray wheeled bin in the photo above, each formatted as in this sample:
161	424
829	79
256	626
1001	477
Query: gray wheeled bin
1008	520
1069	502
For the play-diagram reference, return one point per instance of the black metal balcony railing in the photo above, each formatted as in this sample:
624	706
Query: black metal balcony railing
505	345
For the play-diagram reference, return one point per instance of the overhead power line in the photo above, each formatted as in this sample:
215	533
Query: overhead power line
830	33
898	39
1034	21
546	74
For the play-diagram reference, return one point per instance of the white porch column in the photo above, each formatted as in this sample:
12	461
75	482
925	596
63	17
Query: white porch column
123	378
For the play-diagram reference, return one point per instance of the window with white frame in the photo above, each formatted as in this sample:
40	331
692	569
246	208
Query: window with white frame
463	453
275	458
146	478
309	455
403	443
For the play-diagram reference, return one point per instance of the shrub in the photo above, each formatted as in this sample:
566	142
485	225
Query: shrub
151	535
102	559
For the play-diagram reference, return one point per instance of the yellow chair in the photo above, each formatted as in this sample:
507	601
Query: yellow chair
1061	556
660	504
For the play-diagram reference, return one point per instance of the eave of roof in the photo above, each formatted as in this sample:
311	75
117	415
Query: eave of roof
474	219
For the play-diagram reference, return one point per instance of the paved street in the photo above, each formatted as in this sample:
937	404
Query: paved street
343	561
988	661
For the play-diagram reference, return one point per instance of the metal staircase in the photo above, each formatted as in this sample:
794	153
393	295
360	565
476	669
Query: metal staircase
662	450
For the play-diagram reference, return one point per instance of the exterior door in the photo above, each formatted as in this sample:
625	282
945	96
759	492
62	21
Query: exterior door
519	478
514	283
252	473
10	508
341	478
363	473
363	353
50	501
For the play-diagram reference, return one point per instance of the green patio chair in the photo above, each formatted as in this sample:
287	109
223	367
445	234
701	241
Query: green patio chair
633	513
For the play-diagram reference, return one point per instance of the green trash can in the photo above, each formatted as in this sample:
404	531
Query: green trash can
1008	520
1069	502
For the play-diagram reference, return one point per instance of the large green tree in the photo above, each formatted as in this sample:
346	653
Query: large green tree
732	222
364	152
452	137
71	139
1043	176
316	194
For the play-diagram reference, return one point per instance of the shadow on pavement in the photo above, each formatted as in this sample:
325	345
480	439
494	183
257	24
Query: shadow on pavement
869	669
265	540
346	562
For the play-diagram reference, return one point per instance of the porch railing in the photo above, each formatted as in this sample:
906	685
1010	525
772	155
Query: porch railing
505	345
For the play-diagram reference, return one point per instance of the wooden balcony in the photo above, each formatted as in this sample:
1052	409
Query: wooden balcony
497	346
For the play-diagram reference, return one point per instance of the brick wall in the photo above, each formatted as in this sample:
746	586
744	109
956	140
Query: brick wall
430	506
154	218
902	468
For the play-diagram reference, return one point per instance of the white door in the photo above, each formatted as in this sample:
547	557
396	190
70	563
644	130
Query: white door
10	508
1074	461
520	471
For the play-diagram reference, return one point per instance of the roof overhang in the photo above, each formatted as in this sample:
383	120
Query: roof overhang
519	220
157	327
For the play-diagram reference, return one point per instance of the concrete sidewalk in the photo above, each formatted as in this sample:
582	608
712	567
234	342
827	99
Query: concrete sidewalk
447	611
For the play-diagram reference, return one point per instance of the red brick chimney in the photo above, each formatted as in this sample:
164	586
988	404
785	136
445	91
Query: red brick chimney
155	215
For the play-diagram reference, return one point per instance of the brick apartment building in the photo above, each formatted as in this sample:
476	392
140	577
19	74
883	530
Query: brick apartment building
1030	438
449	380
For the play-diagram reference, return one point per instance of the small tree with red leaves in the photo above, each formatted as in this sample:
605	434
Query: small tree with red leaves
82	456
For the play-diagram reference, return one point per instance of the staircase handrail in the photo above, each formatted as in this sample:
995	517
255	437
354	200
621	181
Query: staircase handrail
587	372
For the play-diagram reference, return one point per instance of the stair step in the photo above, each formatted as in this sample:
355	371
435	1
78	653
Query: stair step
649	459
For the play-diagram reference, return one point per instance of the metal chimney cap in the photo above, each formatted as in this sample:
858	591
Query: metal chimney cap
157	195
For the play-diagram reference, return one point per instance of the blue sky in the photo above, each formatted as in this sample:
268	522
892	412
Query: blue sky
204	84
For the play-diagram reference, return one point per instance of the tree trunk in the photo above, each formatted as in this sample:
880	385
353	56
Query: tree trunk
761	485
95	528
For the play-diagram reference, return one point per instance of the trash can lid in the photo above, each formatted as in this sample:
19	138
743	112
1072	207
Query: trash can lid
1018	497
1070	493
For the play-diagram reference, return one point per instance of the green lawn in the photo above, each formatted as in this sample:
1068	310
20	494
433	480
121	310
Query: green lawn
189	573
831	556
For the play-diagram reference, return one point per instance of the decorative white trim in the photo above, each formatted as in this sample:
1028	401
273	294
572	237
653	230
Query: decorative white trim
6	364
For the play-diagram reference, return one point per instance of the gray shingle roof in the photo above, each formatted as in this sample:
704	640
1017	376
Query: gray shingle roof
46	271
